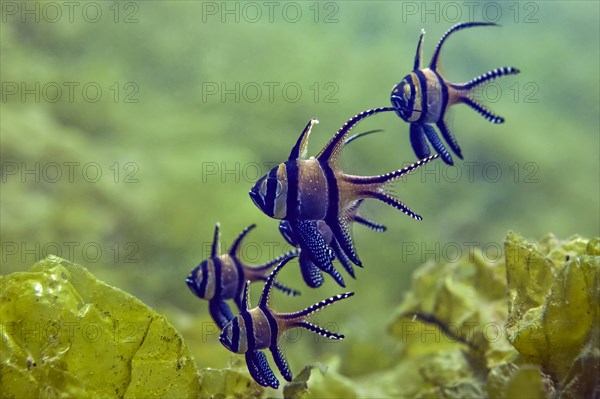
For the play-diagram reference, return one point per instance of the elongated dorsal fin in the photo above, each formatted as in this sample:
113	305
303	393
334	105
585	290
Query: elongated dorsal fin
330	153
457	27
215	245
238	240
264	297
419	54
299	150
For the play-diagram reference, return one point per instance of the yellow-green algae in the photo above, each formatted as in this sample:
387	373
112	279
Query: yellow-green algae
554	310
231	382
526	326
66	334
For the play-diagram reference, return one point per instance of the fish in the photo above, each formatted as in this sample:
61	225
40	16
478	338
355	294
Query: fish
255	329
313	189
424	96
222	277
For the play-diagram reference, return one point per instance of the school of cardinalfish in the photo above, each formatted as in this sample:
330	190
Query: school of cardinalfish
317	203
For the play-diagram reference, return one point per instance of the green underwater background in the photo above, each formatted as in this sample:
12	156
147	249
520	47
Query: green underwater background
128	129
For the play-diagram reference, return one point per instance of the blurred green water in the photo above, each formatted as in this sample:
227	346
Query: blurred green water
158	159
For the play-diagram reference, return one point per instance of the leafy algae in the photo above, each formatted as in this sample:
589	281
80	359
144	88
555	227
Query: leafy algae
66	334
526	326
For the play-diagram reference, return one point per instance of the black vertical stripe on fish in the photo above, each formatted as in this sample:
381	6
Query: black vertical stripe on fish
292	197
332	218
413	93
333	192
248	323
443	93
204	281
424	95
218	268
271	192
235	337
272	325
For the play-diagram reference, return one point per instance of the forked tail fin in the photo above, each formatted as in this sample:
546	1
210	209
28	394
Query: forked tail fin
467	95
374	186
486	77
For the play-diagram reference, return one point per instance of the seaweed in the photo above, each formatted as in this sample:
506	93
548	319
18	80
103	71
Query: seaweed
554	308
64	333
525	326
